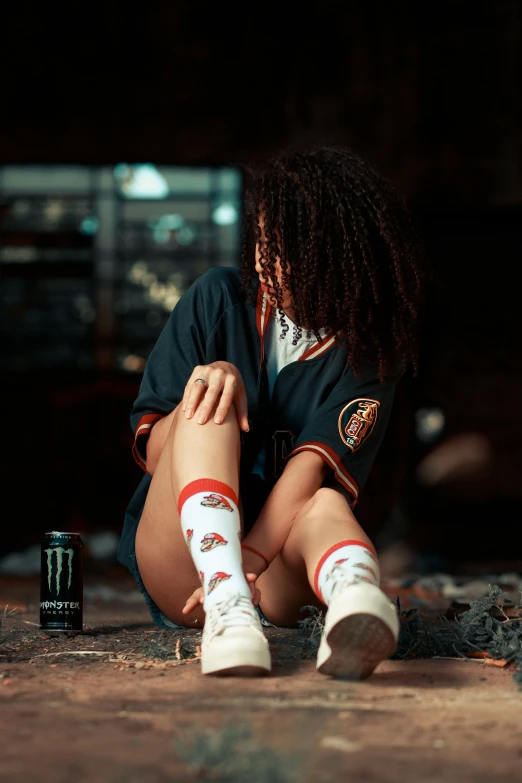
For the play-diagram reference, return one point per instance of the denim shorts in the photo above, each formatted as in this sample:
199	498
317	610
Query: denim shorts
161	620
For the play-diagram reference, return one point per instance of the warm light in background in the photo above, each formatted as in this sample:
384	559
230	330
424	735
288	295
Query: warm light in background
429	424
93	259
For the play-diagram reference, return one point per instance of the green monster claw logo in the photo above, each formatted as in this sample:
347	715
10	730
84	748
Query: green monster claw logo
60	552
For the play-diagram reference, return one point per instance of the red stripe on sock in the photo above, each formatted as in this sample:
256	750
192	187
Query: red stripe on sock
205	485
328	553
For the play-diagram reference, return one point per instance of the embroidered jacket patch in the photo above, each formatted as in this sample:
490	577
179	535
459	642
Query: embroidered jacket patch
356	422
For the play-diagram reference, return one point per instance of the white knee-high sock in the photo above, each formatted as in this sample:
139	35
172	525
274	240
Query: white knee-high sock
348	560
210	521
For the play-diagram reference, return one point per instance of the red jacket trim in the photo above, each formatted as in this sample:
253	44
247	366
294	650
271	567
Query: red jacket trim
143	428
334	461
319	348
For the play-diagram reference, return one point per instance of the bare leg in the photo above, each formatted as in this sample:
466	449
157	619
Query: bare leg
286	585
361	625
195	451
191	451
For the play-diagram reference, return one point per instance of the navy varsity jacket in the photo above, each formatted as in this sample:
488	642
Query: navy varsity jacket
317	403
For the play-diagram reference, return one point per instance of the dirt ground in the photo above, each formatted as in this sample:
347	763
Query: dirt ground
121	714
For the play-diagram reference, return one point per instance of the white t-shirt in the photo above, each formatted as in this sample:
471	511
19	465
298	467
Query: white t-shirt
280	352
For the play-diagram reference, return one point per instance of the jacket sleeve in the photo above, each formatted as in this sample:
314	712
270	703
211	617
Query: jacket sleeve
180	347
348	428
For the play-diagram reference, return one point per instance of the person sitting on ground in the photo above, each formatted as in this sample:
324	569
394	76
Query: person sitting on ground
260	412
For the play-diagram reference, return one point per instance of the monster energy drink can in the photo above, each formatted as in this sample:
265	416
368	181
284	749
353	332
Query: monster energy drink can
61	589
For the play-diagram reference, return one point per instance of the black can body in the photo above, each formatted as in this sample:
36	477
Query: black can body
61	587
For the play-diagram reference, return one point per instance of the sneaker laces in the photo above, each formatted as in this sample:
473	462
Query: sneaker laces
233	611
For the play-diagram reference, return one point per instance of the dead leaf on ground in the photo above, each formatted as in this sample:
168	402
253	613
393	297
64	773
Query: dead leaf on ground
488	660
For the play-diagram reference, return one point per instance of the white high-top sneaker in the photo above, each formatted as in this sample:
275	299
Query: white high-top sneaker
233	640
361	629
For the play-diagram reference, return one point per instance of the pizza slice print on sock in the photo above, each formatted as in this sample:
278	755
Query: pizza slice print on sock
216	501
216	580
209	517
365	568
336	569
211	540
188	537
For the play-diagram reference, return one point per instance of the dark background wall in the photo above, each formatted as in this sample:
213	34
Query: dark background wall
430	93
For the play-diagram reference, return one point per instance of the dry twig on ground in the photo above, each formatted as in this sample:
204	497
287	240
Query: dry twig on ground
476	630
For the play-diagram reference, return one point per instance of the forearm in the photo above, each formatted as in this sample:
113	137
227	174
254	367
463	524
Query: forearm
302	477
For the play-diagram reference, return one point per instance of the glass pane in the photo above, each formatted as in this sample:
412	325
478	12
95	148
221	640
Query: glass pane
94	259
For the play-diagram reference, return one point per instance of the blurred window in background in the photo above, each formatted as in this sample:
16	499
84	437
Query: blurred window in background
94	259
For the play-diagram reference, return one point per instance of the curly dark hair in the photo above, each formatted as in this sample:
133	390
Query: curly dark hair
348	248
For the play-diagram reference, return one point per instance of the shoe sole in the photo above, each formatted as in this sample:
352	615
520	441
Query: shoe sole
354	646
237	663
361	630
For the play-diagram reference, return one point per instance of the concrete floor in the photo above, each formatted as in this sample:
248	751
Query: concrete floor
98	707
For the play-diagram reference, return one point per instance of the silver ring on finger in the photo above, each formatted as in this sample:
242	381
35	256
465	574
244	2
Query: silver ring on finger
201	380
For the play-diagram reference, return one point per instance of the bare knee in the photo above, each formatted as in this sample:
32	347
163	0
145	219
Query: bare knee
186	432
316	503
203	417
188	440
310	521
325	501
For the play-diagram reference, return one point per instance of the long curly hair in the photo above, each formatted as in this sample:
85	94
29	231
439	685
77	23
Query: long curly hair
348	248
